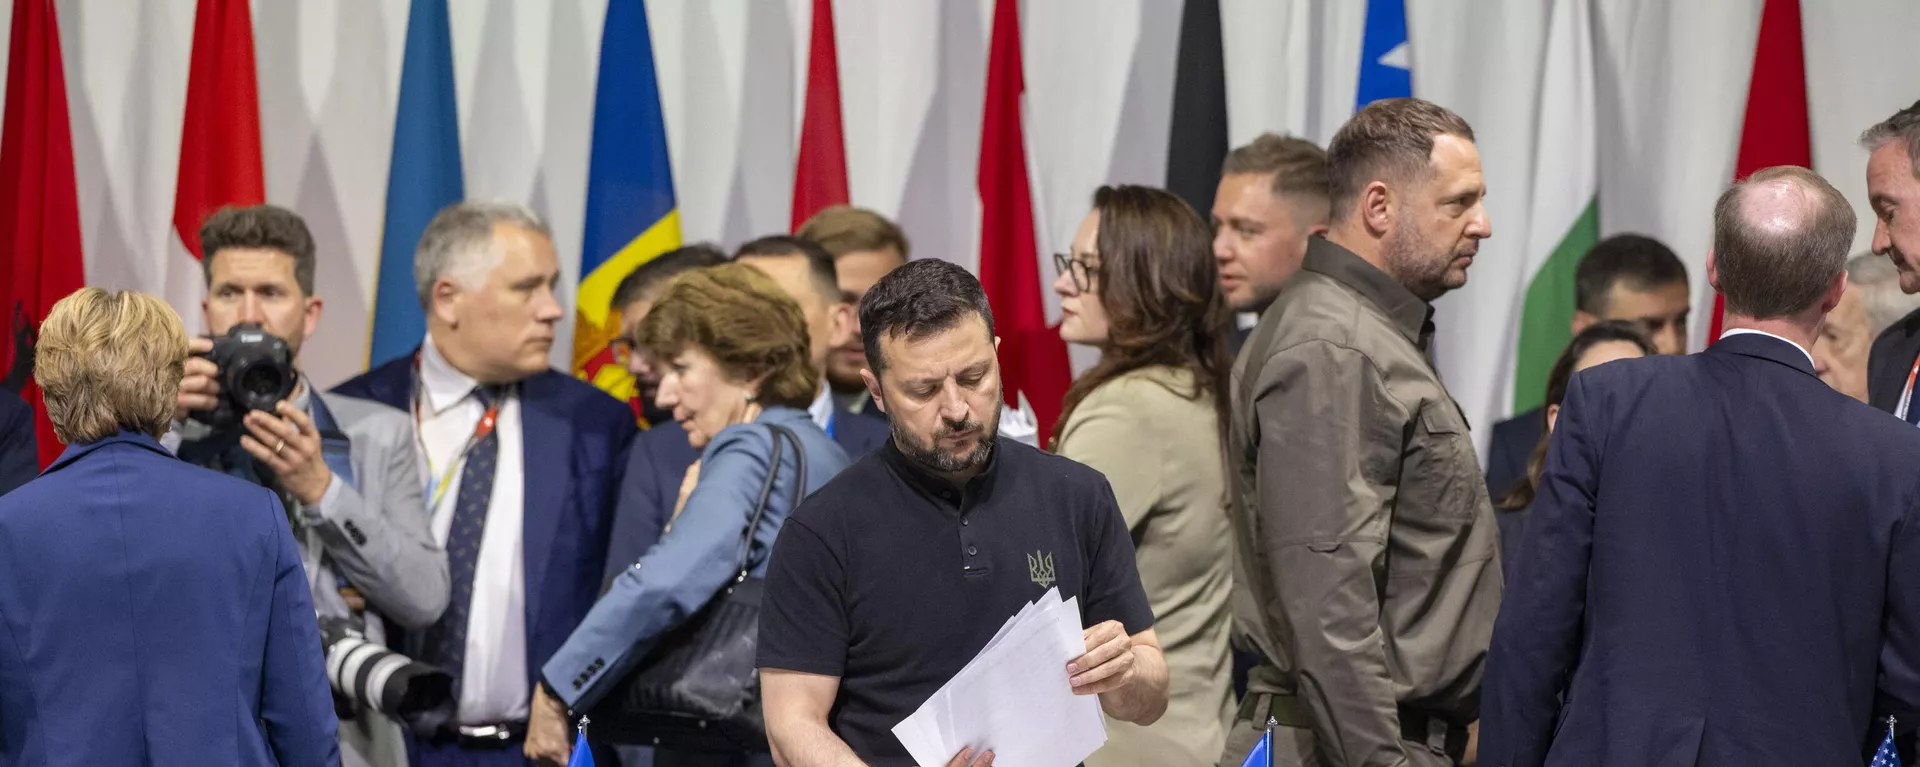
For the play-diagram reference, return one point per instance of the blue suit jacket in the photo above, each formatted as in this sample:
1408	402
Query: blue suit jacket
1721	567
152	612
678	577
19	454
659	461
576	439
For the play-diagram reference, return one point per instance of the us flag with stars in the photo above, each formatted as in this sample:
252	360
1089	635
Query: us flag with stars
1886	756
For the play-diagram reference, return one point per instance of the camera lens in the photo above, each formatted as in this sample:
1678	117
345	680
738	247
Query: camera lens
261	382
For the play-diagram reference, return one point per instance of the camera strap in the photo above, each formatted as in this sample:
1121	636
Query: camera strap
337	451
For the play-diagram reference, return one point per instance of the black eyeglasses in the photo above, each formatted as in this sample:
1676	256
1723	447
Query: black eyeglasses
1083	273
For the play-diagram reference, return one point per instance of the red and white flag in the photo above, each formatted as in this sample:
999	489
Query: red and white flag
220	136
40	257
1776	130
1033	359
820	173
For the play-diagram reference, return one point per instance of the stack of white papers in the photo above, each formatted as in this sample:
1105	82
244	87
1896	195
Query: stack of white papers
1014	698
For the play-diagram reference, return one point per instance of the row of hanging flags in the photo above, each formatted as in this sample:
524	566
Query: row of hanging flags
631	213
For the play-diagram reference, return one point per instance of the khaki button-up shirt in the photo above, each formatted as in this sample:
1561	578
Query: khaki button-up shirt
1364	535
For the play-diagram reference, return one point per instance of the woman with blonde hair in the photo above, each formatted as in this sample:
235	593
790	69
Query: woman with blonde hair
156	612
736	372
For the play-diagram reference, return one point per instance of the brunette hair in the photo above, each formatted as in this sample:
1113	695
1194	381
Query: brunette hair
1521	494
1160	286
739	316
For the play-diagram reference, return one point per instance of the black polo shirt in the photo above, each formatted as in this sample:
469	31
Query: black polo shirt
891	578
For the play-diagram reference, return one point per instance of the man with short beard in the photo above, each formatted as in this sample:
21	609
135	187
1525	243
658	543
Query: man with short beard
889	579
1353	467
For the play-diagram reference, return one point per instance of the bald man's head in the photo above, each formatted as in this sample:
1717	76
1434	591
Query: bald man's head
1780	240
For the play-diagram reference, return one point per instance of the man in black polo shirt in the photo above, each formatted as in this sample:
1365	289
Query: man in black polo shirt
888	580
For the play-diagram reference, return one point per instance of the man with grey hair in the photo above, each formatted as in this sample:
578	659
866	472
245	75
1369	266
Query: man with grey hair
522	469
1872	303
1272	197
1703	517
1893	189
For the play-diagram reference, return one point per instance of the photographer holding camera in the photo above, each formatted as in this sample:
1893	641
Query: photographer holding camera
347	469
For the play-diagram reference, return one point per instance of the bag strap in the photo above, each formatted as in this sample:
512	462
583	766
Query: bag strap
780	435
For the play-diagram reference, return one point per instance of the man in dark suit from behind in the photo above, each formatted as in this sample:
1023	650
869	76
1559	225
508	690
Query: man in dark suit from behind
522	463
1723	563
1893	189
1628	277
19	453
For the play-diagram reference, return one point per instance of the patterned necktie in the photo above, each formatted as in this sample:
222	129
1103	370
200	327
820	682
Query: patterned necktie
446	643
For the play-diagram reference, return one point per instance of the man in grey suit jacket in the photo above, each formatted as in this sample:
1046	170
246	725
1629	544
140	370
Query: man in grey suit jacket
347	469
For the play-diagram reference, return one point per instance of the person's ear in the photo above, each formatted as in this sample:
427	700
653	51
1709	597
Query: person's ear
314	308
1713	271
873	389
1582	320
1553	417
1377	202
446	298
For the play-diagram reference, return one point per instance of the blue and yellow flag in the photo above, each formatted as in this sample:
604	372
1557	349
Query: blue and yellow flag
631	213
424	177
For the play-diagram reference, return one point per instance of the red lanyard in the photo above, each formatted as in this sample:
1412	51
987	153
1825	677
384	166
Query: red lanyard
1906	394
437	490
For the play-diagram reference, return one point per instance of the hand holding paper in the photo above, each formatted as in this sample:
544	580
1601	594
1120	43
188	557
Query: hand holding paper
1108	664
1012	701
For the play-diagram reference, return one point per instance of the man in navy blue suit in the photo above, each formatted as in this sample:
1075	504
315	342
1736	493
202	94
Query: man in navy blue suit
1723	564
661	455
19	456
521	468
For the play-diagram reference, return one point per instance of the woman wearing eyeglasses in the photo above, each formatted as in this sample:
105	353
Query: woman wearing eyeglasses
1141	285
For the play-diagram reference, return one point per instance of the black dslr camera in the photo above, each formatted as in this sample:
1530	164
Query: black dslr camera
256	372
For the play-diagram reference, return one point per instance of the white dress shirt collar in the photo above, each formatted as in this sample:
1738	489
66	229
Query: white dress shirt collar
442	384
822	408
1751	331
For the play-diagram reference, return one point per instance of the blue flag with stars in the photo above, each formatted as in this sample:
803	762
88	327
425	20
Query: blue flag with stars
1887	756
1386	66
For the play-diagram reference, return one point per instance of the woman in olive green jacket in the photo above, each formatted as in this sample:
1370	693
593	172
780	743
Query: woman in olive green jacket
1141	285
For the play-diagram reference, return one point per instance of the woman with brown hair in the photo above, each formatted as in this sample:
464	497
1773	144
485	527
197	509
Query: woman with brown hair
1142	286
736	372
1598	343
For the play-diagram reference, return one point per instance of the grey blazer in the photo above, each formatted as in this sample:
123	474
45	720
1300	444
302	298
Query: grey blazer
376	532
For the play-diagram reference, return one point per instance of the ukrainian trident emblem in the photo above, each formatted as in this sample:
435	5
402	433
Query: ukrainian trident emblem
1040	568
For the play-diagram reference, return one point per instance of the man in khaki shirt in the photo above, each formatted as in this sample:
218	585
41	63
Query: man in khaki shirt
1365	540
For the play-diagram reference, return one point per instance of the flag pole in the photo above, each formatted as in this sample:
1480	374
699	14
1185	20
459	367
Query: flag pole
1271	723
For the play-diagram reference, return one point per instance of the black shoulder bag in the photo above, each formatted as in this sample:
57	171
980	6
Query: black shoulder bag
698	690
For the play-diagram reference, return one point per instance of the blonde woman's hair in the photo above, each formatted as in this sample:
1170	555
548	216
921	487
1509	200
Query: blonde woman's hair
109	361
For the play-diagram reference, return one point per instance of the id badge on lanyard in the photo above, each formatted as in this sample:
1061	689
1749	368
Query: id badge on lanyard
1906	393
438	483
